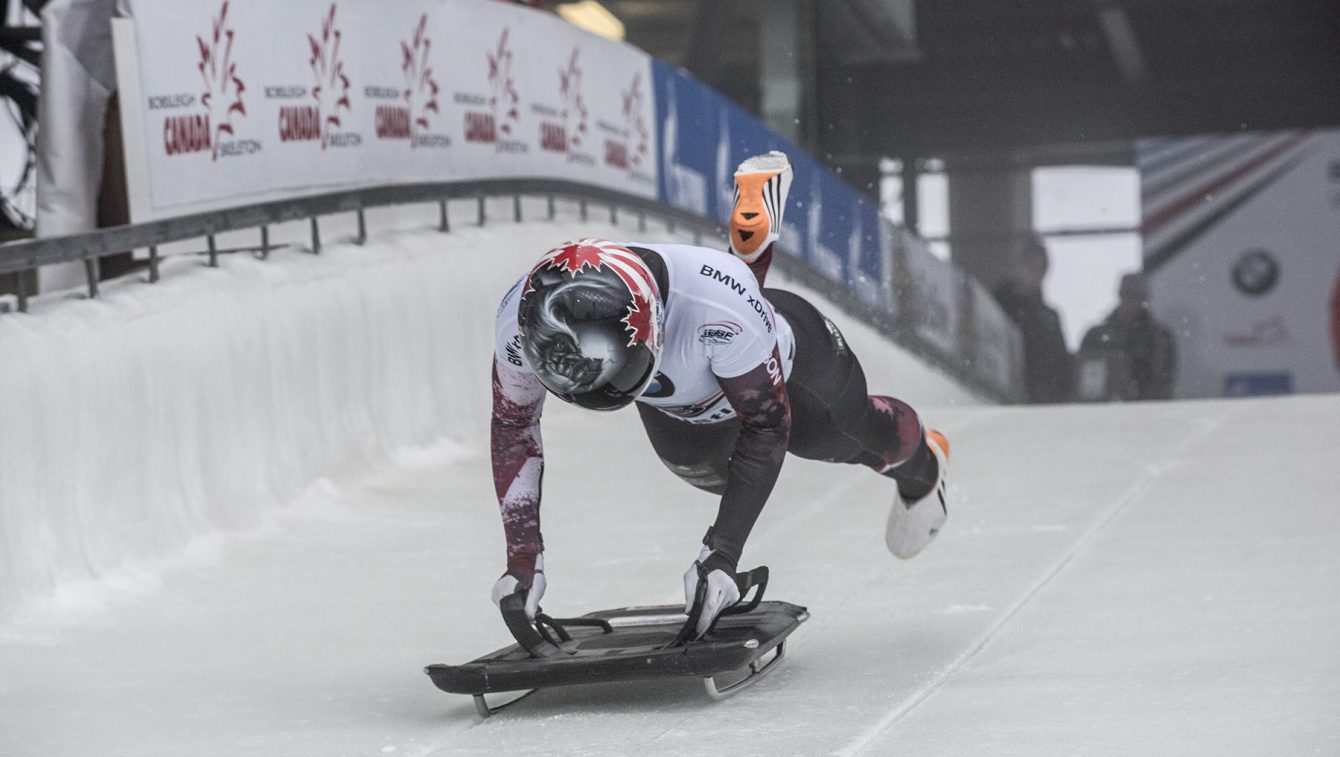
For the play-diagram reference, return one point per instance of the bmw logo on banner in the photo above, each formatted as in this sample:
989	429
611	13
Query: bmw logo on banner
1256	272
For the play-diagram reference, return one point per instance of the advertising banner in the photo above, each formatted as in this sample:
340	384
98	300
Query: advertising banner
247	99
1239	235
231	102
935	290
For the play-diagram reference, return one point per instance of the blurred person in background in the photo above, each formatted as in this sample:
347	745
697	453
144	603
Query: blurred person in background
1129	356
1335	320
1049	373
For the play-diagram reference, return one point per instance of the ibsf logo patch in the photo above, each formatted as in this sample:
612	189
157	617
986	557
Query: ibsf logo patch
719	333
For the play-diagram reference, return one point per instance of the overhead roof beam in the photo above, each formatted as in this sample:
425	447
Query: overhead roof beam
703	57
880	30
1121	40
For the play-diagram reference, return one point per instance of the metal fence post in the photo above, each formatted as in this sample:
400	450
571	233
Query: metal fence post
614	214
483	214
153	264
362	228
516	208
551	207
22	281
316	237
641	222
443	220
213	251
582	203
265	243
91	271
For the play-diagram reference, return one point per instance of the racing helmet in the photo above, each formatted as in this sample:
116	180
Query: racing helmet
590	323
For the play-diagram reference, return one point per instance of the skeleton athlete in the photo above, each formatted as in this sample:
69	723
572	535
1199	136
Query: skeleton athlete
727	376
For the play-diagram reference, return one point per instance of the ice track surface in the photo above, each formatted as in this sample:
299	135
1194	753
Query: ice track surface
1136	579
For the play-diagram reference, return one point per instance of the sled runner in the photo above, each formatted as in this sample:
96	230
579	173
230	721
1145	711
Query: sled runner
630	644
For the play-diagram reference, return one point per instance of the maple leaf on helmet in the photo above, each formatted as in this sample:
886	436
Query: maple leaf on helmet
638	321
574	256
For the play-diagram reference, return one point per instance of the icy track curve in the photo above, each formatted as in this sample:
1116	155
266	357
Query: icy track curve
1140	579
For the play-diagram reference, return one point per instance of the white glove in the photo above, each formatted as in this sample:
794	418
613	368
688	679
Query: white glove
722	592
508	585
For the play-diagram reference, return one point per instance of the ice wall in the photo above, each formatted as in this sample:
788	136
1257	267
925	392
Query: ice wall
132	424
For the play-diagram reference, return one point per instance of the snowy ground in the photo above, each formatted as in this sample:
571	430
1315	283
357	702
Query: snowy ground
1113	580
1139	579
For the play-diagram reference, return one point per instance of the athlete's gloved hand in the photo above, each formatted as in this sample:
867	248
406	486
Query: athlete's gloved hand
522	573
718	572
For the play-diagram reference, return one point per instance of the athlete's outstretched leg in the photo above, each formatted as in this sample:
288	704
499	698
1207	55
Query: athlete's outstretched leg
834	419
894	442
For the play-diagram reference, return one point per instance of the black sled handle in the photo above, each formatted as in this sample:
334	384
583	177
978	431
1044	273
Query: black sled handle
514	615
746	581
758	577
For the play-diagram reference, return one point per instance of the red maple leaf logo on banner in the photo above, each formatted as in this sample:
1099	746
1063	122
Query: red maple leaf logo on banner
638	320
419	74
329	71
570	87
572	258
634	103
219	71
505	100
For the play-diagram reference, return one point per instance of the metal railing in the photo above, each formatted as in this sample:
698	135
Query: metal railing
89	247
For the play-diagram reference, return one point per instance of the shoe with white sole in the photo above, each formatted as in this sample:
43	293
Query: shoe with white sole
912	525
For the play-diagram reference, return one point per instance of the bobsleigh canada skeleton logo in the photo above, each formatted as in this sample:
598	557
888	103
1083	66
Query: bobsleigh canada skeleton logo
626	146
574	107
408	111
331	81
564	129
214	109
420	87
315	112
495	118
